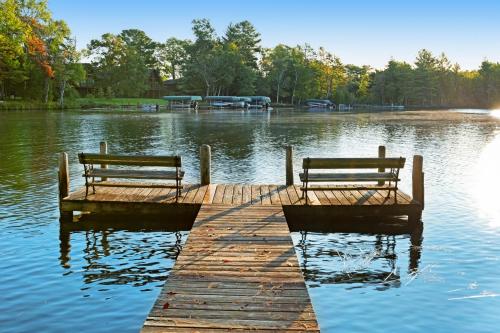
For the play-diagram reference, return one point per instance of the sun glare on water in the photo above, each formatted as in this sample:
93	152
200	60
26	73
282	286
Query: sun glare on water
487	184
495	113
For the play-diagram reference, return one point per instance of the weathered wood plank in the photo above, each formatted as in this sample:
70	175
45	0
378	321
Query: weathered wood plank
166	161
209	194
228	194
230	274
292	194
237	194
265	195
323	200
284	197
353	163
255	191
247	194
219	194
190	194
274	195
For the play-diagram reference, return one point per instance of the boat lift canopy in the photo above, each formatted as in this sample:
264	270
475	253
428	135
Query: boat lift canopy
182	98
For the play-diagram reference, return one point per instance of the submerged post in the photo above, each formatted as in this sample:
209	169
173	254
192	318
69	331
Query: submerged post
103	149
418	180
289	165
205	160
63	177
381	154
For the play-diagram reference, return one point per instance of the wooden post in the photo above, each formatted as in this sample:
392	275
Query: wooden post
289	165
418	180
103	149
381	154
63	177
205	160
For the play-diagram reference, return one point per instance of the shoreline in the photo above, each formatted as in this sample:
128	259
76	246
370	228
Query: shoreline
138	105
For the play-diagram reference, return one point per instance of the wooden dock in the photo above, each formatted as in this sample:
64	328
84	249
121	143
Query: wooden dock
327	210
238	269
154	200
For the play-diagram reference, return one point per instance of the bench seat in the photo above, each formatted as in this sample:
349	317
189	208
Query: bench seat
381	164
349	177
134	174
89	160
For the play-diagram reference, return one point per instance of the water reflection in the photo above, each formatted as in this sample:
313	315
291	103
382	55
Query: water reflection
48	277
115	257
357	259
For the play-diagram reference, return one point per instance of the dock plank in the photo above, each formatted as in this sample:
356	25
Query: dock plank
237	280
246	195
255	192
265	195
209	194
237	194
228	194
219	194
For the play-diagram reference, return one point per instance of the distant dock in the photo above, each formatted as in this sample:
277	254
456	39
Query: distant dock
238	269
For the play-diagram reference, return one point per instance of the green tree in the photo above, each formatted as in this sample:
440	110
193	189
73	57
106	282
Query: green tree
121	67
393	84
489	83
172	55
332	73
275	63
206	38
425	80
27	34
142	44
246	38
13	35
68	72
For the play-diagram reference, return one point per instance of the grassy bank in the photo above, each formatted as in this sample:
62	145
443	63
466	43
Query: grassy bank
105	102
79	103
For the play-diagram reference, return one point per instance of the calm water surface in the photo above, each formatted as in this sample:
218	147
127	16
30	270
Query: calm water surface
106	280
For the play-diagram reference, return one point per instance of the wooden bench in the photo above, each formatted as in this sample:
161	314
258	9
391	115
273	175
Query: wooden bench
90	172
394	164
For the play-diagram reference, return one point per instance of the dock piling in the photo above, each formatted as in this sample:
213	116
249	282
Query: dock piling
289	165
418	180
103	149
381	154
63	177
205	167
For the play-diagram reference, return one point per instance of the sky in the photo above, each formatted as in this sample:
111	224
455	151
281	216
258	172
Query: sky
359	32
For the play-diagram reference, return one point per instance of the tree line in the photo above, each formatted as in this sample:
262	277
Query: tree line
39	61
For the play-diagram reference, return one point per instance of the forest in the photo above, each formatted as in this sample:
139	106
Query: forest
39	61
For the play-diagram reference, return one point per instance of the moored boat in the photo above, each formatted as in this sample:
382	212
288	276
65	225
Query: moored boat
228	102
259	102
320	103
183	102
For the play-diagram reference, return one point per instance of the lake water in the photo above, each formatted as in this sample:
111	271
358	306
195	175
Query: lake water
107	280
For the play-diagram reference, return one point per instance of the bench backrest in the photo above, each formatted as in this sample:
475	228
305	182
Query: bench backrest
352	163
161	161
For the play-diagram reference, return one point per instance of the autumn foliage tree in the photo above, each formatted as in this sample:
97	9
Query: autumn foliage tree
30	44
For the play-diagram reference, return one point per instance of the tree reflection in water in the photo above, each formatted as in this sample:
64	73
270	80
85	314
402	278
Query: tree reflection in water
357	259
114	257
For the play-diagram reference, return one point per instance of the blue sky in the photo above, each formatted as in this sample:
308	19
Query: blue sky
359	32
